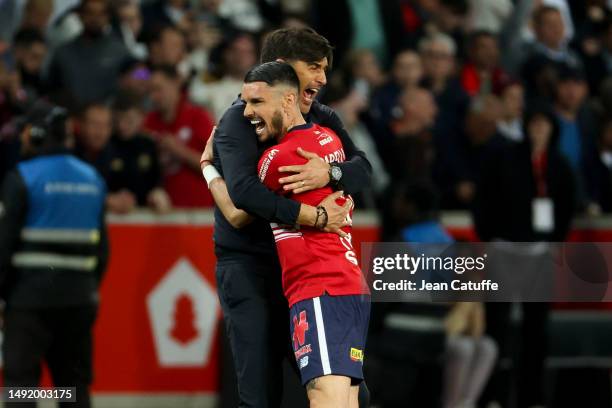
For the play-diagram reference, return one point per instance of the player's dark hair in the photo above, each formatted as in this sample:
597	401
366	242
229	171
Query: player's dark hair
273	73
296	44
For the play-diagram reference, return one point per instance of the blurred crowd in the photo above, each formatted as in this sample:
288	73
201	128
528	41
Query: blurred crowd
431	90
500	107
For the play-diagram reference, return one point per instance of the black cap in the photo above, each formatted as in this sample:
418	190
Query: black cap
47	121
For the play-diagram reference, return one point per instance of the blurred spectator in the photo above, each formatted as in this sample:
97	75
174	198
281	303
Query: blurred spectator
597	56
167	47
363	65
482	73
438	54
481	137
85	69
510	124
129	27
214	25
525	194
66	26
95	127
411	154
134	165
366	24
181	131
94	147
489	15
513	176
161	13
12	95
134	76
242	14
30	53
470	355
604	167
547	55
451	19
238	55
36	15
578	133
406	73
349	102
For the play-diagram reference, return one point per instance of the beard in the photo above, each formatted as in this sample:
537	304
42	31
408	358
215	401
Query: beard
276	125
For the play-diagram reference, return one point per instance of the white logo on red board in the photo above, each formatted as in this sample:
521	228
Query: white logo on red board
183	311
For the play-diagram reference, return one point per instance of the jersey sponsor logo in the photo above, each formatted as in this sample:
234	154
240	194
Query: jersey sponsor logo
338	156
299	330
265	164
356	354
324	138
303	362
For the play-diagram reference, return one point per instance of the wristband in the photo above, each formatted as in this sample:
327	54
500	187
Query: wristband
321	212
210	173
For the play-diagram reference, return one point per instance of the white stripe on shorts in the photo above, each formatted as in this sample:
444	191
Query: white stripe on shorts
321	336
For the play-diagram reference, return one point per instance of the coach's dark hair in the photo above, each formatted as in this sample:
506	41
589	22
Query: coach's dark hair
273	73
296	44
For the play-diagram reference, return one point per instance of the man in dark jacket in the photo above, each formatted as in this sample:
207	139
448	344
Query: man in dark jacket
248	271
53	252
525	194
86	69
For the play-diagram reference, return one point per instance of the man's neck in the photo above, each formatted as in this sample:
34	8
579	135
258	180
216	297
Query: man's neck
296	120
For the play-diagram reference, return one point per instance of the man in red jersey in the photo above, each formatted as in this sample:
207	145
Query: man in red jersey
328	297
181	130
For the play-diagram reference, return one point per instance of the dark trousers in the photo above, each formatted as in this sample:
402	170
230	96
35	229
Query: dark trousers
61	337
530	344
256	318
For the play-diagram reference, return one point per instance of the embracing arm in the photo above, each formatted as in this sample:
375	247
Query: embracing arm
356	171
236	217
236	148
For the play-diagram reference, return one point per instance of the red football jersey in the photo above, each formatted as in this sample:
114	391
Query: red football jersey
313	262
191	127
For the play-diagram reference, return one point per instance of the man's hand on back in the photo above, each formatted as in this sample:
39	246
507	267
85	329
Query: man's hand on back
337	215
310	176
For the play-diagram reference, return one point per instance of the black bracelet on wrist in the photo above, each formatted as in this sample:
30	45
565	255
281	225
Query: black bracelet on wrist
321	213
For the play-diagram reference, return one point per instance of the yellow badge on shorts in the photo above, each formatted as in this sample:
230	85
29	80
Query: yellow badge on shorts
356	354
